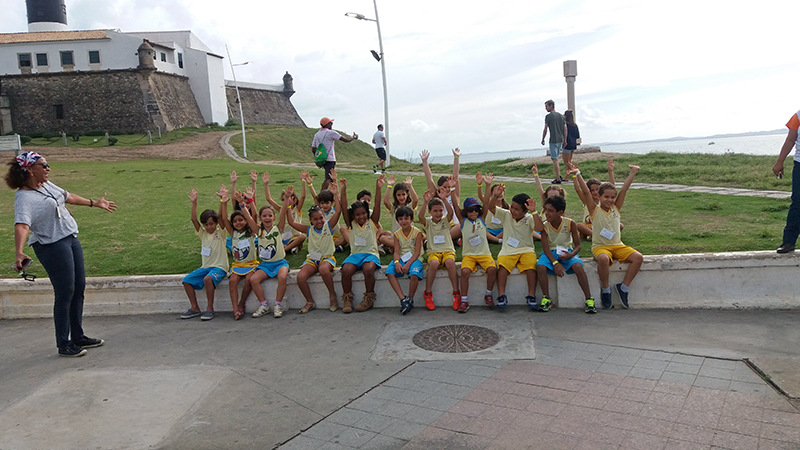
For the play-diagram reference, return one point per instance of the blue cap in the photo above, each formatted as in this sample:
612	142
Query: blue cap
470	202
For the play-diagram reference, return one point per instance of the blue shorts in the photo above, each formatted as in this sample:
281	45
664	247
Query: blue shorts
555	148
415	269
287	241
567	150
494	231
272	268
196	278
544	261
359	259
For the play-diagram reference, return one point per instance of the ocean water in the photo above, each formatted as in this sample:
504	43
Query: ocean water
752	145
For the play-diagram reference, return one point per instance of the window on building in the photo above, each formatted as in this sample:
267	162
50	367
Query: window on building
94	57
24	60
180	60
59	111
41	59
67	59
163	57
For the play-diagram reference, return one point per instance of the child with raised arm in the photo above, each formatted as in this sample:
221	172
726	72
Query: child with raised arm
214	257
363	248
397	195
475	250
440	245
561	244
606	241
272	253
320	248
292	239
242	229
325	200
494	226
593	184
452	184
518	250
407	258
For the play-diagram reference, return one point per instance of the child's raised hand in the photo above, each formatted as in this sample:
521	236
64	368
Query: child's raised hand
223	193
254	175
428	195
381	181
443	192
456	152
531	205
343	183
488	178
392	179
234	177
408	182
610	164
535	170
334	187
193	196
333	174
479	178
634	168
499	191
238	196
265	177
572	170
424	156
303	174
287	196
249	192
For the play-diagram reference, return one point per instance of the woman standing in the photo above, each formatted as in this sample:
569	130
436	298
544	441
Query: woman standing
573	136
40	209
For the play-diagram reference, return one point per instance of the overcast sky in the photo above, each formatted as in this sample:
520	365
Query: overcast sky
476	74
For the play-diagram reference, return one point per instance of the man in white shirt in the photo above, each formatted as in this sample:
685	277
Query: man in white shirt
379	139
327	137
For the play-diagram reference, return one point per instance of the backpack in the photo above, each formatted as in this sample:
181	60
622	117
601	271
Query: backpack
321	155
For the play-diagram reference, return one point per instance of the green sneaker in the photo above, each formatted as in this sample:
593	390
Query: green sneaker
544	306
590	309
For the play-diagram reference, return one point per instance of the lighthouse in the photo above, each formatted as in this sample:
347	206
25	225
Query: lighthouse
47	15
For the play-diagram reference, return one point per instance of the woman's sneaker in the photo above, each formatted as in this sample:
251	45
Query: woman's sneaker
262	310
278	311
71	350
87	342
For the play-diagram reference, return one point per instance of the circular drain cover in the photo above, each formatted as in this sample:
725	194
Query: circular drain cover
456	339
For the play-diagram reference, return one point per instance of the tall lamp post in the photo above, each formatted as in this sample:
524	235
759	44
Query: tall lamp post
380	58
238	98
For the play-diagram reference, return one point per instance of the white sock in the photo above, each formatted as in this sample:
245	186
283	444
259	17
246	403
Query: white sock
488	292
607	290
623	288
500	241
264	303
463	299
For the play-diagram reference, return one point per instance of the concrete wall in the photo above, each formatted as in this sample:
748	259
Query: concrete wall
263	107
708	280
176	101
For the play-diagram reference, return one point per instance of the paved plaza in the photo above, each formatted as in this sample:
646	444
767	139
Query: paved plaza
634	379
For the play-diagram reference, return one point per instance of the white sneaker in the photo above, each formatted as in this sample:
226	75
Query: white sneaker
261	311
278	311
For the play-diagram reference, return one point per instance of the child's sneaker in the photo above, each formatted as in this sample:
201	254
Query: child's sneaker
456	300
375	168
488	300
590	309
463	307
545	305
338	249
278	311
623	296
190	314
262	310
294	250
502	301
531	301
429	301
605	299
406	305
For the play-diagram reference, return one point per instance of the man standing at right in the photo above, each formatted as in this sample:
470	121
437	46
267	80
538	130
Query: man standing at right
379	139
792	229
558	135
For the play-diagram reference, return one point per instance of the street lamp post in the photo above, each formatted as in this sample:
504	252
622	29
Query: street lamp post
238	98
380	58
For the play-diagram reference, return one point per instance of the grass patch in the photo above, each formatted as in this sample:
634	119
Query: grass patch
151	232
128	140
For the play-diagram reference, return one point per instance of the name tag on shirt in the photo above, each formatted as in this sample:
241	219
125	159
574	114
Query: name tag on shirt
560	251
606	233
360	241
264	253
315	256
244	243
475	241
496	221
513	242
205	251
404	259
439	239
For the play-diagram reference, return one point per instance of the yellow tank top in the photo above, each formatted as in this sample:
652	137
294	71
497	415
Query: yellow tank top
517	234
270	245
438	235
334	226
320	242
364	239
243	248
605	227
473	238
561	236
408	244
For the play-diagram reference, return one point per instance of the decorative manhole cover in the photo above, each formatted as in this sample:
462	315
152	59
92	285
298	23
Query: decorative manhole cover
456	339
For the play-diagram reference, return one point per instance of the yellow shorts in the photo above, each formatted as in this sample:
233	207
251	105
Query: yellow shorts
441	256
523	261
330	259
472	262
618	252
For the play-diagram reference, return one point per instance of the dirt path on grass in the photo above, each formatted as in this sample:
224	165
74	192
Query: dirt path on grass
199	146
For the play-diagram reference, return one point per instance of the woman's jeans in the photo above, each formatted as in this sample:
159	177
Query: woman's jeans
63	261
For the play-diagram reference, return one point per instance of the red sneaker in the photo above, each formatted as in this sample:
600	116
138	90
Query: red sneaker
429	301
488	300
463	307
456	300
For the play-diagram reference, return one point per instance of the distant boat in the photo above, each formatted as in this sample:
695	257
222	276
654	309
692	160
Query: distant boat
711	143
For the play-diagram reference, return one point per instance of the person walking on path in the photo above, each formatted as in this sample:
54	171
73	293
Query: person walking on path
792	229
554	121
573	137
326	136
40	208
379	139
